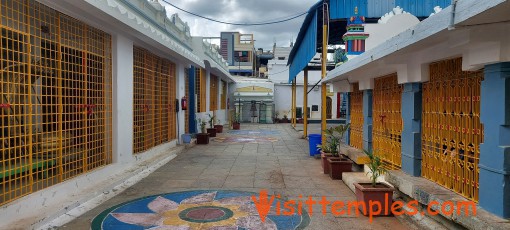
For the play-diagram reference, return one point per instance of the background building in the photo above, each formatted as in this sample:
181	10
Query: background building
239	51
278	73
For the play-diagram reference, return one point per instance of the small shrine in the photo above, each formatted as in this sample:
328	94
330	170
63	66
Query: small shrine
355	37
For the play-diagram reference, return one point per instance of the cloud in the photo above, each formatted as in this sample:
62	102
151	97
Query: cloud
244	11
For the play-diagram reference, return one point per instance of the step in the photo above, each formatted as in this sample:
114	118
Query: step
425	191
349	178
356	155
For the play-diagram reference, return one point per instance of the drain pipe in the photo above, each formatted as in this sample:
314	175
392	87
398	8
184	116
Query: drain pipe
452	15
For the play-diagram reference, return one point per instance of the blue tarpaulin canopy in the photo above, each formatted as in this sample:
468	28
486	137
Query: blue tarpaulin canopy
306	43
309	40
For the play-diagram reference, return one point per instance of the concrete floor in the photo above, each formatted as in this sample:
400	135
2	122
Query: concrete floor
281	167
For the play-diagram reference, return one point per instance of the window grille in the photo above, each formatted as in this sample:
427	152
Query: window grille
56	98
154	100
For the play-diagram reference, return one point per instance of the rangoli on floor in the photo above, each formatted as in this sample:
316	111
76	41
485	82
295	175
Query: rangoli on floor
208	210
245	139
259	132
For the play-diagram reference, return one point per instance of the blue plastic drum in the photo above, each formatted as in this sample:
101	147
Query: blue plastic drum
313	141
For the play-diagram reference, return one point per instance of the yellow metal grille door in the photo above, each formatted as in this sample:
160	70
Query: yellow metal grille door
172	96
55	91
154	100
387	121
198	88
203	90
223	94
452	131
356	136
213	95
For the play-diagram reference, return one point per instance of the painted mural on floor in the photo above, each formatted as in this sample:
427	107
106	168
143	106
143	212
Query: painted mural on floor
198	209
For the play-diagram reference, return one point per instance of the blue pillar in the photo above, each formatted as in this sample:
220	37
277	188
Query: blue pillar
191	101
495	151
347	116
367	119
411	134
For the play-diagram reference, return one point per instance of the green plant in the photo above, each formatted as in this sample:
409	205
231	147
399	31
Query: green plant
331	146
211	120
341	130
202	125
375	165
237	118
334	136
285	114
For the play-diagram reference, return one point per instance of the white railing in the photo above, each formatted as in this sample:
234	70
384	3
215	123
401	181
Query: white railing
156	14
212	52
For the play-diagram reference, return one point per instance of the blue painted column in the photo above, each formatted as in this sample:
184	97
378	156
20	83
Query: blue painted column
495	151
367	119
191	101
347	116
411	134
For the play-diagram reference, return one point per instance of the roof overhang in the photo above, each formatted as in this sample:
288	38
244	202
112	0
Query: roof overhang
121	17
481	36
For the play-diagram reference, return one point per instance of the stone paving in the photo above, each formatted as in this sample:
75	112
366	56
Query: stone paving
280	164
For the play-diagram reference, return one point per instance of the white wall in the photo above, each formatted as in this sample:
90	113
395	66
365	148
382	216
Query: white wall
283	98
181	92
122	104
279	73
379	33
221	114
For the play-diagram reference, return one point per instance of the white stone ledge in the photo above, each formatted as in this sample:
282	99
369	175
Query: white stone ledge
425	191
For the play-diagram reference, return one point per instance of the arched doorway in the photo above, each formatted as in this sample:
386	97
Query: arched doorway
329	106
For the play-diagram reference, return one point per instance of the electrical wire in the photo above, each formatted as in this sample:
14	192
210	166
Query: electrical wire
280	72
235	23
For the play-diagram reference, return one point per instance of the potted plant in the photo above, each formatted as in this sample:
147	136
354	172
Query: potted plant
285	119
327	150
276	119
332	143
219	128
338	163
236	125
211	130
203	137
375	192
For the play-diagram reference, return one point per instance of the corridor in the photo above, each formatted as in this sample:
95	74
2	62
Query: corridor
210	186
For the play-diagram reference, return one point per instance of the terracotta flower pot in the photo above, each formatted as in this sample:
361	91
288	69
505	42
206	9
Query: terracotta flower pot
380	194
203	138
324	161
219	128
236	126
338	165
212	132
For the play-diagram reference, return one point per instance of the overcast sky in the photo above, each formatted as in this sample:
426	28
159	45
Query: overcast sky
244	11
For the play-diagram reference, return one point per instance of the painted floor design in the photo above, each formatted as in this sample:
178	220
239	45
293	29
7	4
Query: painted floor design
198	209
245	139
260	132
